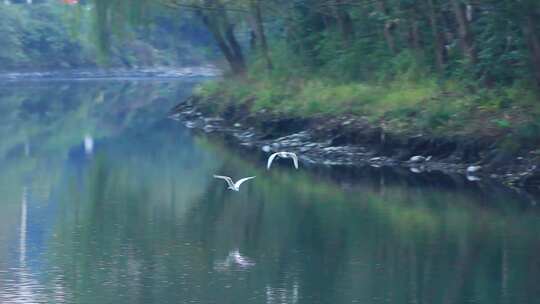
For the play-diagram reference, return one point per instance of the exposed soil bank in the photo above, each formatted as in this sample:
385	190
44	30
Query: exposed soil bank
351	140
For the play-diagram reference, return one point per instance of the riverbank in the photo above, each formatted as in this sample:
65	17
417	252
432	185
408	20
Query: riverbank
332	137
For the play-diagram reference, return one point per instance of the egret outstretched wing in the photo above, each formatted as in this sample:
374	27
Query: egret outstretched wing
271	159
295	159
226	178
240	181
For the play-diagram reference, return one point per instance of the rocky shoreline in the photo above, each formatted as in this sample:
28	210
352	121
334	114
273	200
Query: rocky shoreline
352	141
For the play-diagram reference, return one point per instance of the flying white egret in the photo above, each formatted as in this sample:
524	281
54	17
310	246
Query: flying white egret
282	155
232	185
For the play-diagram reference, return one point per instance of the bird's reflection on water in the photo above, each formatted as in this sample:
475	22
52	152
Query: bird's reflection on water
234	260
88	144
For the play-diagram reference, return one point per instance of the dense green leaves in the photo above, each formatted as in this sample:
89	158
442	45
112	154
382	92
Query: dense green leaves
51	35
487	42
38	36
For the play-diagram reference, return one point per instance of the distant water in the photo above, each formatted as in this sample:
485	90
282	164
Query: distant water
115	74
104	200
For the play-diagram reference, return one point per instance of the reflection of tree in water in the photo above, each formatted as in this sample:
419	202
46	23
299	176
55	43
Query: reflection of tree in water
365	244
275	225
43	122
120	225
152	223
58	116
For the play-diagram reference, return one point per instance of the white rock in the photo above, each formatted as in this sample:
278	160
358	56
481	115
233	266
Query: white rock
473	169
416	170
266	148
472	178
213	119
419	159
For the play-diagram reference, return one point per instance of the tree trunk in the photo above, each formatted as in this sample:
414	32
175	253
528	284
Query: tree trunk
216	20
414	30
259	31
438	39
464	32
239	61
344	21
252	40
235	47
237	65
533	41
388	28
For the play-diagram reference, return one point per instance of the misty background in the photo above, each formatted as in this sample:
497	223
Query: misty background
50	34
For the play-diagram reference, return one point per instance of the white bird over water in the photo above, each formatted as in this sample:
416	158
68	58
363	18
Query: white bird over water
282	155
232	185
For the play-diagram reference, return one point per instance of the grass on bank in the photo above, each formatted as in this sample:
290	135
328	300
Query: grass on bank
407	103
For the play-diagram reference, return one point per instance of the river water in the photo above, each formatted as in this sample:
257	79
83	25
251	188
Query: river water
105	200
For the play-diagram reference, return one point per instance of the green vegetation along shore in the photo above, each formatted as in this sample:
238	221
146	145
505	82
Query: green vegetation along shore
438	68
444	68
408	104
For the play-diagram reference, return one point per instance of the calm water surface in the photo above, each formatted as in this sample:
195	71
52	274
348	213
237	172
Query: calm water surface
103	200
